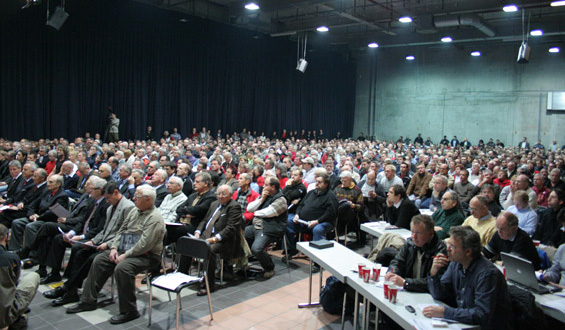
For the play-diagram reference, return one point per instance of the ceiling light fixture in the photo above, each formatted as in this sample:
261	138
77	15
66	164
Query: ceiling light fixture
510	8
405	19
373	45
536	33
410	58
322	28
476	53
554	50
557	3
252	6
446	39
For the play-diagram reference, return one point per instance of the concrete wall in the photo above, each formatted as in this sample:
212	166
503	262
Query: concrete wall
445	91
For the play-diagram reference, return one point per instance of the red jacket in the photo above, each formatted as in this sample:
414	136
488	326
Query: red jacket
250	198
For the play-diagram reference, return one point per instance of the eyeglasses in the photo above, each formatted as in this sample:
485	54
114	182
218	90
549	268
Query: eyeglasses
138	196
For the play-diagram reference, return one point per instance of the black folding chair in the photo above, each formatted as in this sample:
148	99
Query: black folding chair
175	282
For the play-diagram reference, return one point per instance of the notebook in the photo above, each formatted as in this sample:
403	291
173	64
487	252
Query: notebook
521	272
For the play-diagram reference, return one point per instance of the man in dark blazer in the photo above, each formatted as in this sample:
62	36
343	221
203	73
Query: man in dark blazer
399	209
158	182
85	173
38	214
191	213
30	193
87	218
14	182
221	227
70	176
126	184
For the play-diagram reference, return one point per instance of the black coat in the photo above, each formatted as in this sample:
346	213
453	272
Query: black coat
402	215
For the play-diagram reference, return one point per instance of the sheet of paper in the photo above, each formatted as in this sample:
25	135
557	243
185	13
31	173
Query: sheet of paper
173	280
60	211
558	304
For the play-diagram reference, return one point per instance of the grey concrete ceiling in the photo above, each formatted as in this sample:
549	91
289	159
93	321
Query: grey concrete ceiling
355	23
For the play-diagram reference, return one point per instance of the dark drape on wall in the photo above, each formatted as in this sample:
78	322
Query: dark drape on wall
156	70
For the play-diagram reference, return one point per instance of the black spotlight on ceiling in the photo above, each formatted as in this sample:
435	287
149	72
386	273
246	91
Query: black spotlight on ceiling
58	18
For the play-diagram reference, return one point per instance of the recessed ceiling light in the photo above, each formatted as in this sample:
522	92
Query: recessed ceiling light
373	45
510	8
446	39
536	33
322	29
410	58
554	50
557	3
476	53
251	6
405	19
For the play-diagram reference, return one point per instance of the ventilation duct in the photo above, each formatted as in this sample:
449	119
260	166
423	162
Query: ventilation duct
463	20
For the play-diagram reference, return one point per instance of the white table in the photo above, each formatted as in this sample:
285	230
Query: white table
379	228
342	262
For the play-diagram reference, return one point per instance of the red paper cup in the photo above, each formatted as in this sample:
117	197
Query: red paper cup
360	270
504	271
376	272
536	243
366	274
392	293
386	286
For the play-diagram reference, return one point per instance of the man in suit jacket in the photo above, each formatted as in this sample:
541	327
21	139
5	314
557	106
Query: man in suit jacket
85	219
85	173
37	215
158	182
14	183
70	176
221	228
191	213
81	258
399	209
126	184
32	193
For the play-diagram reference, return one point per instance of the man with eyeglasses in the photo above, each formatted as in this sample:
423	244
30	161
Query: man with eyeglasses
319	209
136	247
221	227
521	183
473	283
191	212
448	215
268	224
81	258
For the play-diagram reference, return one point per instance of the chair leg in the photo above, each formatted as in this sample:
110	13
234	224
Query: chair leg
178	309
150	303
285	249
147	279
112	288
221	271
208	294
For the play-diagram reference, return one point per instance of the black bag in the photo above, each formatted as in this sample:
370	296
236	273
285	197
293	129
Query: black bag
526	314
331	297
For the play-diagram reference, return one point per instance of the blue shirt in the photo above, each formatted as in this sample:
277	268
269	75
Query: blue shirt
527	219
479	294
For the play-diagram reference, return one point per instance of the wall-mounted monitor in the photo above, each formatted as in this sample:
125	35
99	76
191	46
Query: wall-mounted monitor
556	101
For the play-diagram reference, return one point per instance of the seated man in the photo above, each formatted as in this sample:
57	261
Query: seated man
245	195
493	205
480	219
17	293
399	209
158	181
528	219
413	262
350	203
510	238
38	214
191	212
268	224
81	259
221	228
418	187
173	200
319	209
88	215
448	216
374	197
439	188
471	283
548	224
294	191
143	226
521	183
14	183
556	274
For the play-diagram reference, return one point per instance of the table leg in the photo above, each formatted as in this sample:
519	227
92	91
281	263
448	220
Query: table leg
310	303
342	309
356	310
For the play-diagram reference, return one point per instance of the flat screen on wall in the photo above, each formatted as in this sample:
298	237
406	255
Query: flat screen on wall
556	101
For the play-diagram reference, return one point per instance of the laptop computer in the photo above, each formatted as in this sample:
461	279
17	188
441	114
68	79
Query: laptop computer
521	272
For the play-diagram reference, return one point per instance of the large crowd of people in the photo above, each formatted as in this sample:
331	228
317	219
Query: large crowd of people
244	191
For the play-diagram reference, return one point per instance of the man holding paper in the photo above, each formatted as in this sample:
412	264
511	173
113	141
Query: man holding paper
136	247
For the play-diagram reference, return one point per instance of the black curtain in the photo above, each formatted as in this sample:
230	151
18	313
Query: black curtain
153	69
